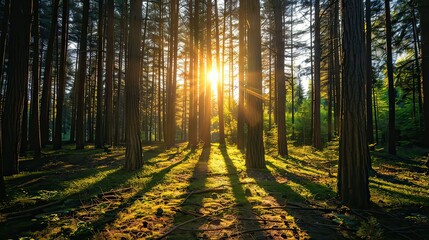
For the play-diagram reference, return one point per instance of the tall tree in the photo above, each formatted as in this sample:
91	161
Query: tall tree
220	80
34	109
337	68
255	153
110	60
424	25
241	73
133	156
193	63
170	133
99	140
207	100
317	139
280	77
17	76
3	39
47	77
368	34
62	77
80	136
391	137
353	153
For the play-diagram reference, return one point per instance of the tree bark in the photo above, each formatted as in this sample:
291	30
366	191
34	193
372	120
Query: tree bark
133	156
241	74
99	137
208	91
47	77
391	135
62	78
353	153
170	134
317	138
368	81
220	81
110	60
3	40
193	63
80	136
280	78
255	153
19	48
34	109
24	127
424	25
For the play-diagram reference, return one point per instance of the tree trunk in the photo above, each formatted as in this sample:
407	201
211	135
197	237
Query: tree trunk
255	154
118	100
170	134
34	109
337	69
99	140
317	139
80	136
241	74
110	61
353	153
63	77
417	69
19	48
369	75
220	81
47	77
280	78
24	127
424	22
3	40
193	63
133	156
391	135
208	90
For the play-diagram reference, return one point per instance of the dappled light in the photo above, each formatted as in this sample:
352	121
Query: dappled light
182	193
214	119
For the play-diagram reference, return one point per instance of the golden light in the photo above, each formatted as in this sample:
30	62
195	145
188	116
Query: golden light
213	77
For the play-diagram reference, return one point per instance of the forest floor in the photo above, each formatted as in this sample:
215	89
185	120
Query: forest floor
209	194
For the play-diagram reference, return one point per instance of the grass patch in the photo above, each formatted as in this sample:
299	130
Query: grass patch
91	196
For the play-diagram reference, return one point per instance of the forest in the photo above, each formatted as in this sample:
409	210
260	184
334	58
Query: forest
214	119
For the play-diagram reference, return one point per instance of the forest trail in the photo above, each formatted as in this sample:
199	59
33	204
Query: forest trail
183	194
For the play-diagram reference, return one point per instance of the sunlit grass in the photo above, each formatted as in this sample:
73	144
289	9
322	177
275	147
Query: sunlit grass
167	191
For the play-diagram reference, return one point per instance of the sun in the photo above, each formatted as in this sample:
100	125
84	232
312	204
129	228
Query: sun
213	77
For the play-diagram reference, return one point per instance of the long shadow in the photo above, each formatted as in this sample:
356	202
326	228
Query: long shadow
314	188
194	204
113	180
69	167
112	215
421	199
393	179
244	206
306	221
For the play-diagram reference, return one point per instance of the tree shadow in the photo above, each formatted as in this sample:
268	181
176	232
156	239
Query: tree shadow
312	222
115	178
110	216
194	204
244	207
314	188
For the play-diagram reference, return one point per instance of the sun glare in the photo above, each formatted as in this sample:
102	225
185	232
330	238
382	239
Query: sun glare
213	77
